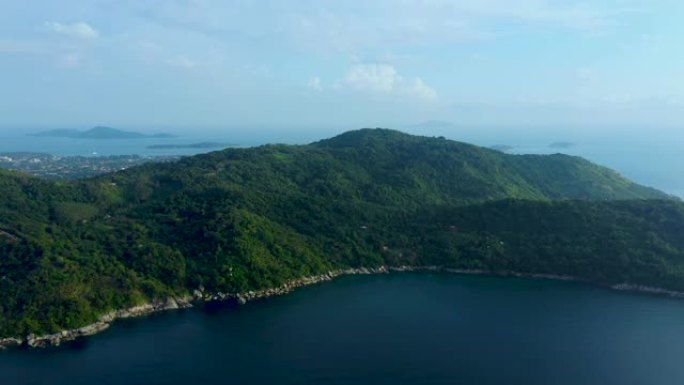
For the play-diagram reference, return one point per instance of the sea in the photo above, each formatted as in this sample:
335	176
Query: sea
400	328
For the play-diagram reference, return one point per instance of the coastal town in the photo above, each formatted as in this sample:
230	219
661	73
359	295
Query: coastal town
73	167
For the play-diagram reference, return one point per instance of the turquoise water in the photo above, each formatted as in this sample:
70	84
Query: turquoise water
390	329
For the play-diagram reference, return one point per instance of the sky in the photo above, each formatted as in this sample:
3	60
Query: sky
544	64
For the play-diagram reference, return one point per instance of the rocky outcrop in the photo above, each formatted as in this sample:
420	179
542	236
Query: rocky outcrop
365	271
10	342
647	290
105	320
243	298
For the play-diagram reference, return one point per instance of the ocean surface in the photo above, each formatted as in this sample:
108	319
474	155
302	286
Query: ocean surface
409	328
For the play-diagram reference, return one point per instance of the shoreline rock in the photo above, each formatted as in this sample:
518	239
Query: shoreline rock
104	322
10	342
200	296
647	290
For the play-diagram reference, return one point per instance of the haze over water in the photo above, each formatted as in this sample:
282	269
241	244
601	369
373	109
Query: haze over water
399	328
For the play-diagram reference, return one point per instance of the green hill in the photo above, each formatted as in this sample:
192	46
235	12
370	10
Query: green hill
243	219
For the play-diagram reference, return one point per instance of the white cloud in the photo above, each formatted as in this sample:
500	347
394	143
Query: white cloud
384	79
372	77
315	83
674	101
70	60
619	99
13	46
419	88
586	74
352	25
182	61
146	50
78	30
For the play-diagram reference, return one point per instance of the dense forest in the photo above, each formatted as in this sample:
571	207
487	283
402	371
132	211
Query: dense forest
243	219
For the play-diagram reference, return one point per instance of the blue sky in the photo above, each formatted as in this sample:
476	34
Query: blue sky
351	63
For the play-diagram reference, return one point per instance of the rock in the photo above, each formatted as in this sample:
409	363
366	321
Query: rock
197	294
93	329
170	304
31	340
241	300
10	342
184	302
109	317
43	341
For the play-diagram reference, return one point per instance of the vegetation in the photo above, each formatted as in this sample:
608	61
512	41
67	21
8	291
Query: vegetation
243	219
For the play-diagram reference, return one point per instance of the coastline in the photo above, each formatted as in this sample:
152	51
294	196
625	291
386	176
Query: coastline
199	297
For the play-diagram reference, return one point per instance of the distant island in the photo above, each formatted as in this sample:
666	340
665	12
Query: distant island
562	145
192	145
99	132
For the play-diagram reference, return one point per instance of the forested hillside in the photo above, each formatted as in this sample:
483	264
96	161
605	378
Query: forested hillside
243	219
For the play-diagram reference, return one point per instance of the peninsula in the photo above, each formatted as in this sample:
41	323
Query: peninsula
261	220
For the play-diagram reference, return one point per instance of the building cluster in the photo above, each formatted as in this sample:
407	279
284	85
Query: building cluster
73	167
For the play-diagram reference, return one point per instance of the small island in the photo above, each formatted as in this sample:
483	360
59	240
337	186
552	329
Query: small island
99	132
191	145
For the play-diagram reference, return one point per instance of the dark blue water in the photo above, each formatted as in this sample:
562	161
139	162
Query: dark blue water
394	329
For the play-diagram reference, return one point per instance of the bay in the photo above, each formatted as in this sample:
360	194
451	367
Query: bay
410	328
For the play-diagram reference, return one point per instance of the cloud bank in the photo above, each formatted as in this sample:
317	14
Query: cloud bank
384	79
78	30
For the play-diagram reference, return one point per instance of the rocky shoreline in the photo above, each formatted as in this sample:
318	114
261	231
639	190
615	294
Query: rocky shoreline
105	321
200	296
648	290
